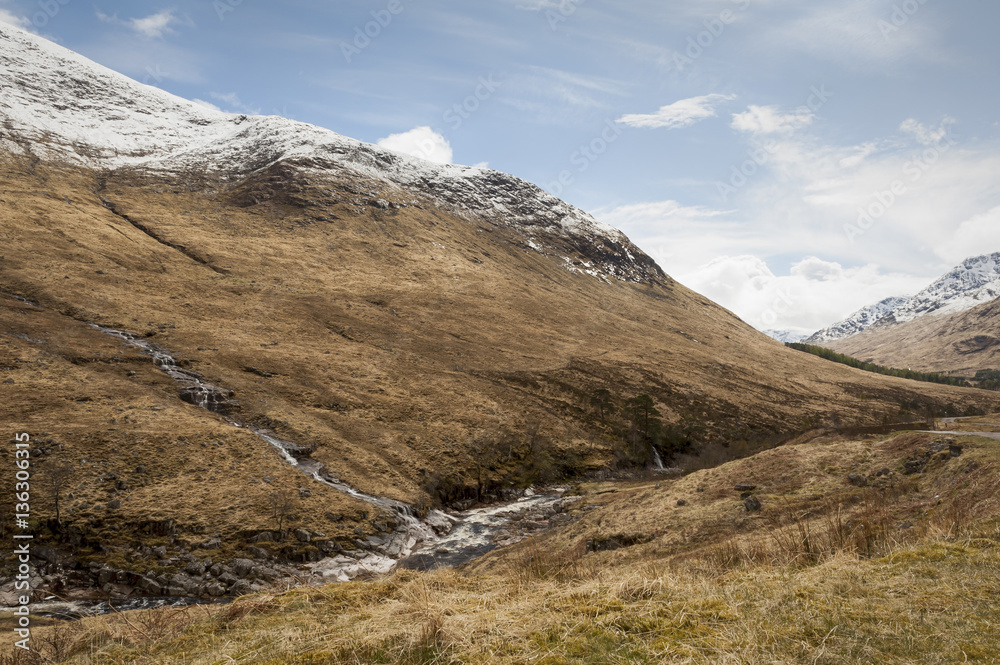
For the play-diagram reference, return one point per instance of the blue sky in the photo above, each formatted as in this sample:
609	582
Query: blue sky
792	160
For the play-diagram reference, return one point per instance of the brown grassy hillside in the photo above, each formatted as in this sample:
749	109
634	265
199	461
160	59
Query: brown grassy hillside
388	335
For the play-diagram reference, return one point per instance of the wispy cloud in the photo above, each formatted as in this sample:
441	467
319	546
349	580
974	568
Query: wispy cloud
853	33
679	114
153	26
233	102
926	135
770	120
8	17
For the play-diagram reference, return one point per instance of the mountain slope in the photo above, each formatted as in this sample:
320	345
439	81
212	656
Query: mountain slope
975	281
60	106
963	343
427	333
858	322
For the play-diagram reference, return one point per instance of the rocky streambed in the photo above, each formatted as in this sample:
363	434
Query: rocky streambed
65	589
438	538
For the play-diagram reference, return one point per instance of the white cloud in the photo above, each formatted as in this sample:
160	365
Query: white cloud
924	134
232	100
813	295
799	204
770	120
851	32
679	114
973	237
6	16
207	105
422	142
152	26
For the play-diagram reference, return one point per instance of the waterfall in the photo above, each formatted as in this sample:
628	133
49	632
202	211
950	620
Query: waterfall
656	459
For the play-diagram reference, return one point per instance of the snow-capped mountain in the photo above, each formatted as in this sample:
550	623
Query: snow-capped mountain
786	336
57	105
860	321
974	282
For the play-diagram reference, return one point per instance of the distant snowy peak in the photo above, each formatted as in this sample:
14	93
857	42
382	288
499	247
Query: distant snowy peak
861	320
785	336
974	282
57	105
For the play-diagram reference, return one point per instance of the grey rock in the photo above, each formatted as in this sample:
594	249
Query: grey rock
268	574
258	552
885	471
160	552
106	576
745	487
114	504
47	554
263	537
195	568
302	535
215	570
213	544
242	567
681	503
150	586
228	579
752	504
241	588
857	480
215	590
328	546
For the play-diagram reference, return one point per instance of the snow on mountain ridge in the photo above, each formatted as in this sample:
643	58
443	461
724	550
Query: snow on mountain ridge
58	105
785	336
857	322
974	282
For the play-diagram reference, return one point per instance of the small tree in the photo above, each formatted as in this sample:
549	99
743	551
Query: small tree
55	480
485	452
283	505
600	399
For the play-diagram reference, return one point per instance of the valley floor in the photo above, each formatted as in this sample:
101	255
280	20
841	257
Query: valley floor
883	550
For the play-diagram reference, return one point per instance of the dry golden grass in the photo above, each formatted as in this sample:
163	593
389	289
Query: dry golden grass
961	343
751	595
